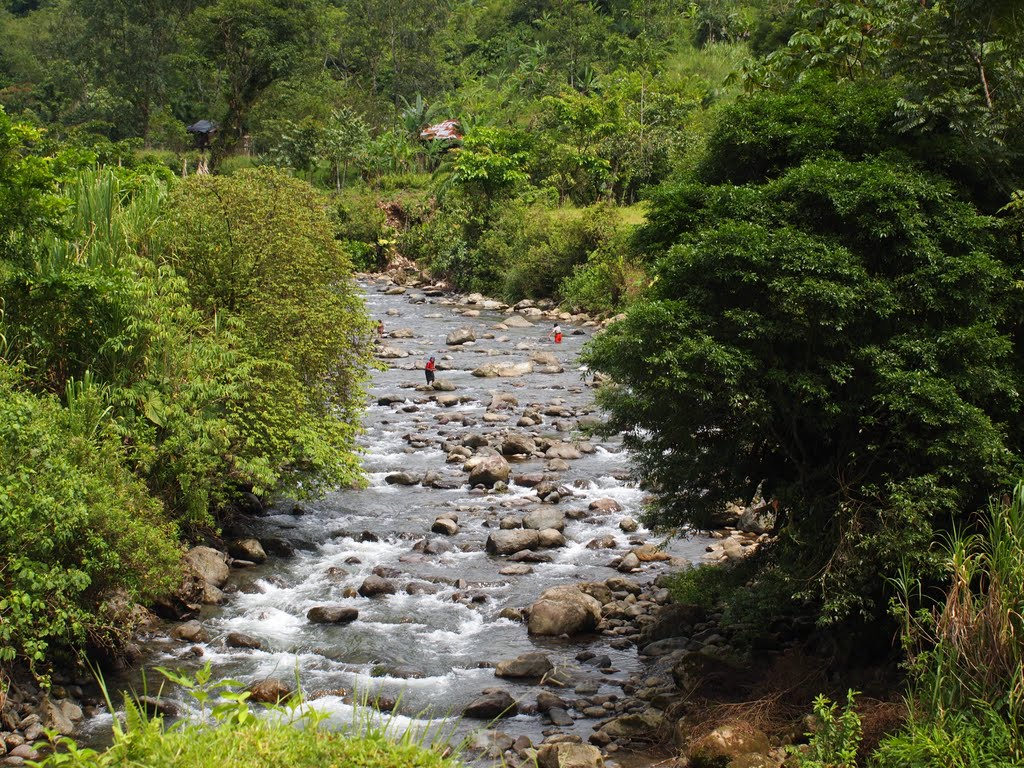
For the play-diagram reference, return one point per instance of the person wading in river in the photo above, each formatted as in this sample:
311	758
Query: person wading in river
429	369
556	333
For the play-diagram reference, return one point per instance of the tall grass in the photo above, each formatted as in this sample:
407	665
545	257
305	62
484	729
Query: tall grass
966	655
231	735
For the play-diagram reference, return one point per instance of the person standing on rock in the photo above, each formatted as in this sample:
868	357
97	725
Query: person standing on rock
556	333
429	368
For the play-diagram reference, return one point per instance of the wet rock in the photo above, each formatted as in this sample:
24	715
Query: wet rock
563	451
375	586
550	539
460	336
542	518
436	480
402	333
503	370
247	549
488	471
512	614
628	525
510	522
332	614
605	505
445	526
241	640
516	321
620	584
278	547
272	690
517	444
491	706
564	611
557	465
629	564
501	401
529	665
560	717
649	553
603	542
402	478
422	588
511	541
190	632
546	700
529	480
526	556
210	565
389	352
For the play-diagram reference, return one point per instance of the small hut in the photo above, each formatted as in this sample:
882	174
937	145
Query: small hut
203	131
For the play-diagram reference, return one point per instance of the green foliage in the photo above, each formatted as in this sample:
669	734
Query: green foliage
285	736
964	652
77	529
259	246
845	331
837	739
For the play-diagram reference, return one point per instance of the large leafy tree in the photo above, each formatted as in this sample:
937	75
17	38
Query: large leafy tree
258	246
841	328
252	43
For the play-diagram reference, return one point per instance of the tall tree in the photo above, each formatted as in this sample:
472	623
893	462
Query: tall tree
252	43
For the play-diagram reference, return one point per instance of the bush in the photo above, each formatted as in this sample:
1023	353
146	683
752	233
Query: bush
259	247
77	529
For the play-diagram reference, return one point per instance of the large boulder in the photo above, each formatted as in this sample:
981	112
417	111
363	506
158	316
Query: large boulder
388	352
517	444
375	586
488	471
209	564
758	520
247	549
504	370
527	665
190	632
564	451
516	321
545	517
508	542
460	336
564	611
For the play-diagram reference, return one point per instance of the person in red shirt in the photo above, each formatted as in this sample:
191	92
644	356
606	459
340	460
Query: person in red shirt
429	368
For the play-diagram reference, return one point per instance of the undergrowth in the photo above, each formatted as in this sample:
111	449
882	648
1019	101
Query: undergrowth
230	735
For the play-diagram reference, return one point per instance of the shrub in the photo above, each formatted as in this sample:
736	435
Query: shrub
76	527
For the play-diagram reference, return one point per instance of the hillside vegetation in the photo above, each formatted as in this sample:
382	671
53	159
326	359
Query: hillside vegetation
811	214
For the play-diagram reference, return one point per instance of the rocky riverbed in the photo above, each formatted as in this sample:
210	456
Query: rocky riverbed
493	571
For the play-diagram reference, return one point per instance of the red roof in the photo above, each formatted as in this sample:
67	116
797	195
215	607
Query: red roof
447	130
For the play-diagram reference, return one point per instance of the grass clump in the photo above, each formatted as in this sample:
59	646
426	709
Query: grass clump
231	735
966	654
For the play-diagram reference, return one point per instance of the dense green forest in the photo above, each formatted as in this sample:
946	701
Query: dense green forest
810	212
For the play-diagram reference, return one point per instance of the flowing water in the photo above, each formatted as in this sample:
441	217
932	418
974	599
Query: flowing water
432	651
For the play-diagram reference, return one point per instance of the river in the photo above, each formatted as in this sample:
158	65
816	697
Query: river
432	646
